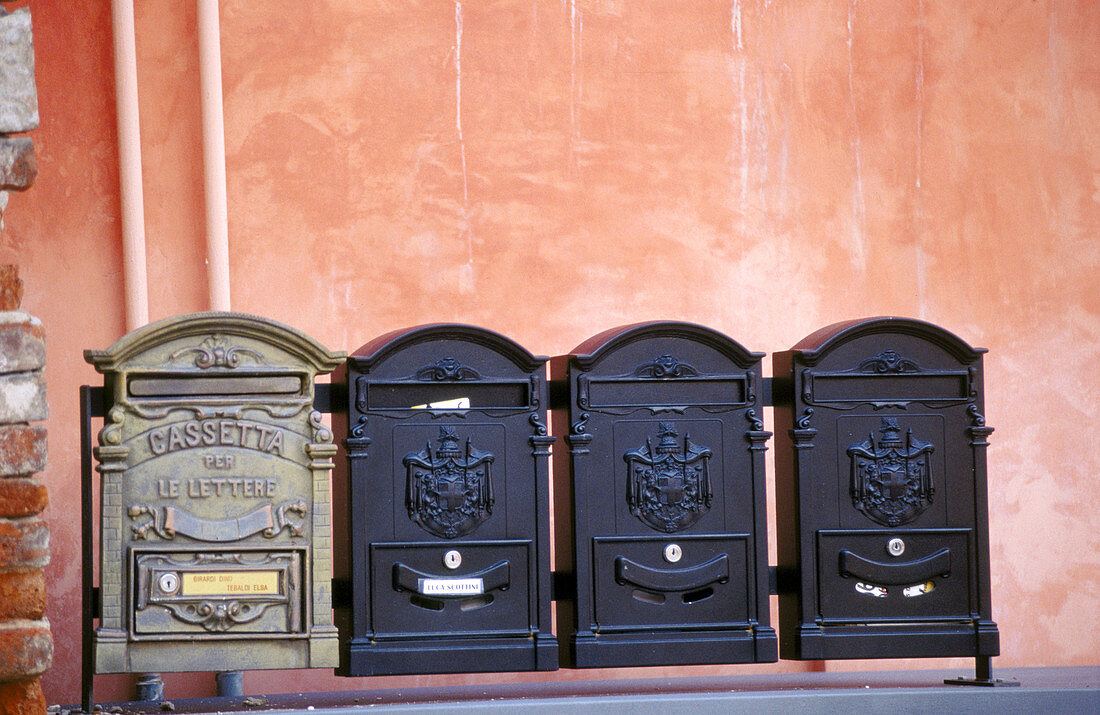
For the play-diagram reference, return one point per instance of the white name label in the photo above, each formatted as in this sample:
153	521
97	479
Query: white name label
451	586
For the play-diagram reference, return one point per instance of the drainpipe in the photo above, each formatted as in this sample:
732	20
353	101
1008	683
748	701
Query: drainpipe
131	197
213	155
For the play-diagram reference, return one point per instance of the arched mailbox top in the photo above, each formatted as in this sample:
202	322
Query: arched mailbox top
224	325
599	346
824	341
385	346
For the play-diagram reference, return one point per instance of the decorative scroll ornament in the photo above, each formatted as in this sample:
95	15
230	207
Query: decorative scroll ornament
449	492
891	480
168	521
216	616
665	366
889	362
215	351
668	484
321	433
447	369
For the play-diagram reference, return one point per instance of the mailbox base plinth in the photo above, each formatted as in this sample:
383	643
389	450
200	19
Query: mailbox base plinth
463	655
222	655
615	650
891	640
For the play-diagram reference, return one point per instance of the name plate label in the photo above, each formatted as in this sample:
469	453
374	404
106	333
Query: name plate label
451	586
229	583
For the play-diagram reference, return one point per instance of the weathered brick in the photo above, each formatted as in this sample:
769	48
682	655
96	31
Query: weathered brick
26	648
18	167
18	95
22	594
11	288
22	497
22	449
24	543
23	397
22	342
22	697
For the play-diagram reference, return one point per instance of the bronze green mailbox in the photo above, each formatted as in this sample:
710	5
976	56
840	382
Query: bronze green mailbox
215	543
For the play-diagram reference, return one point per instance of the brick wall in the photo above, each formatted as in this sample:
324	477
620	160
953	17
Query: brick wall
26	646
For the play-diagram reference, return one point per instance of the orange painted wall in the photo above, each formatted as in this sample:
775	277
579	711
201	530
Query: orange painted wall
550	169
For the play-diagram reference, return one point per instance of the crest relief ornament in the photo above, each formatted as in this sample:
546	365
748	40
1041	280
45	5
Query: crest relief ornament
891	476
668	483
449	490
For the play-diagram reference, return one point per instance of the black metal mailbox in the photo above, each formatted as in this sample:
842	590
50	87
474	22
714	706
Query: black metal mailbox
668	546
881	494
448	505
215	544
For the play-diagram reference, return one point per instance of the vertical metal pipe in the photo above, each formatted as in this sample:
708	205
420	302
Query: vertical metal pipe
131	195
230	684
213	155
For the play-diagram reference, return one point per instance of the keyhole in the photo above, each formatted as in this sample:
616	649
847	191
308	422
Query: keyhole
168	582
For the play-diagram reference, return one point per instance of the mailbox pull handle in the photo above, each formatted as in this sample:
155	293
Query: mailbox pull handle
917	571
406	578
686	579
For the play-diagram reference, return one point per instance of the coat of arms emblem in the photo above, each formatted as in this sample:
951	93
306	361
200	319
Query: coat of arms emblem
891	477
449	491
668	485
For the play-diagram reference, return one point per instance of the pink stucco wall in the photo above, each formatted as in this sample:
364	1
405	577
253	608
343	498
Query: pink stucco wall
550	169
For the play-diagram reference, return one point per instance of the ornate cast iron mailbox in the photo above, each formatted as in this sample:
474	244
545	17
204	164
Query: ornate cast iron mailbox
881	494
215	513
448	505
667	500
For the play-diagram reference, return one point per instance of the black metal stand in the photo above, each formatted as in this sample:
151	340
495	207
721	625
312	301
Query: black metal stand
983	675
88	609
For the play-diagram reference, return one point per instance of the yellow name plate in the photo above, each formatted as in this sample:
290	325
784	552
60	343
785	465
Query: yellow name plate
230	583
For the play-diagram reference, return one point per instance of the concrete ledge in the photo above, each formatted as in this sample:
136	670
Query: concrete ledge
1041	690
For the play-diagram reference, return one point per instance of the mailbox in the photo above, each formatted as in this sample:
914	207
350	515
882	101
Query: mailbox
215	545
881	494
448	507
666	498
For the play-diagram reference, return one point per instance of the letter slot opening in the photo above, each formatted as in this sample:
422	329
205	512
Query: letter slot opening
477	395
186	386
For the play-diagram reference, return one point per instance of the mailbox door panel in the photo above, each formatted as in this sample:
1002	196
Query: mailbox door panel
861	581
708	585
213	594
414	592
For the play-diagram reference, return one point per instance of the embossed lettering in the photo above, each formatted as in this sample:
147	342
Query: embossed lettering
229	433
175	438
192	431
205	487
276	443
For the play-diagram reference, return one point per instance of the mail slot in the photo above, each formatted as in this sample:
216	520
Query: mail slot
215	537
666	498
881	494
448	506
